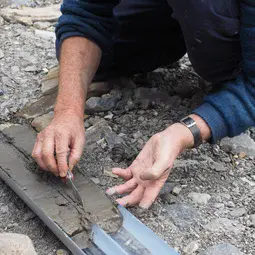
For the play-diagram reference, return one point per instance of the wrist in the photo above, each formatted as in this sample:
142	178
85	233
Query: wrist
183	135
64	111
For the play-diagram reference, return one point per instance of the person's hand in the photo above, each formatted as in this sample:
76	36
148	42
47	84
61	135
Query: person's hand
59	146
150	170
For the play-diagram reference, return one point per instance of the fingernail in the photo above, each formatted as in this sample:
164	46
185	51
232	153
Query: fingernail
62	174
111	191
71	167
144	206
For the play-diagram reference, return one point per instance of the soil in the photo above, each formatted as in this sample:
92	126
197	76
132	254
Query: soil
179	219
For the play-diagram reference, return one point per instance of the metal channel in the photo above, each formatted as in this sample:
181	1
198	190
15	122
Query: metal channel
145	235
133	237
69	243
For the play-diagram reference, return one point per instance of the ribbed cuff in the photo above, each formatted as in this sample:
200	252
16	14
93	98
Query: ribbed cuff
214	120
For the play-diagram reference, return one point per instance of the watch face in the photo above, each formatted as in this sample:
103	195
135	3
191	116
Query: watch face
189	122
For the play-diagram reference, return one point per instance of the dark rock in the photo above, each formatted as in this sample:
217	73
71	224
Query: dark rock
100	104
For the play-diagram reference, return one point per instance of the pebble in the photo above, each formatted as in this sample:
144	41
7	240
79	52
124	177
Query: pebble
4	209
238	212
62	252
11	243
28	216
1	54
137	135
95	180
1	21
176	190
191	247
12	225
199	198
218	167
41	25
31	69
252	219
221	249
218	205
109	116
242	154
231	204
169	198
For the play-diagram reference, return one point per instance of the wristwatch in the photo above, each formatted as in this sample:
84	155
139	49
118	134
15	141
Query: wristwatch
192	126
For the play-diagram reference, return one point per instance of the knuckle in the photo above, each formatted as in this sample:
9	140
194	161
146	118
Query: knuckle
46	154
36	155
154	175
61	151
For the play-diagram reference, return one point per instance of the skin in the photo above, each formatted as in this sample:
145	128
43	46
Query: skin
65	135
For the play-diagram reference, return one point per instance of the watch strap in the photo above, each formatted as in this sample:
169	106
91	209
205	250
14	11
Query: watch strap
192	126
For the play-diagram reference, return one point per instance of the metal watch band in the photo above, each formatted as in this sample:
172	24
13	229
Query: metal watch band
192	126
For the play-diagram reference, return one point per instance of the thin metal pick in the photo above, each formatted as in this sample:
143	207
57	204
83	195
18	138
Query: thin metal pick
70	183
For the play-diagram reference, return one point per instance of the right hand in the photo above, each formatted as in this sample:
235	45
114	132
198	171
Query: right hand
63	137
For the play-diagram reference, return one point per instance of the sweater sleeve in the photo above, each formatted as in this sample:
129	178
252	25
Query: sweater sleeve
92	19
231	111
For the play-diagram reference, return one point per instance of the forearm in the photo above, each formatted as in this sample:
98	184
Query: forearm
79	61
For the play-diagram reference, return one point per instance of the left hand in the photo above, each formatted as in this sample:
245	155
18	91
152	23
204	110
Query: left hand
150	170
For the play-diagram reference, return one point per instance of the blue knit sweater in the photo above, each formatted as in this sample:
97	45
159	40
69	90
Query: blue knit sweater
216	33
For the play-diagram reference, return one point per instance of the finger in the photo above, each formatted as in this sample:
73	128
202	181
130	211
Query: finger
127	187
149	196
62	148
157	169
48	158
37	153
77	147
133	198
123	173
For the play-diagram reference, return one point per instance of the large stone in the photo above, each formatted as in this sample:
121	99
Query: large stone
16	244
50	82
1	54
41	122
22	136
41	106
100	104
47	35
238	212
191	248
221	249
252	219
238	144
224	225
199	198
42	25
27	15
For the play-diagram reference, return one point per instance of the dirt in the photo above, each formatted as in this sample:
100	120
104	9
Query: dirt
228	178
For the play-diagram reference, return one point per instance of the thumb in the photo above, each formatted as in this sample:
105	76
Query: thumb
75	153
155	172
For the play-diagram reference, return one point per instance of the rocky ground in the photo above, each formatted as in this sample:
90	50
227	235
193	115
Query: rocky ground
207	207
